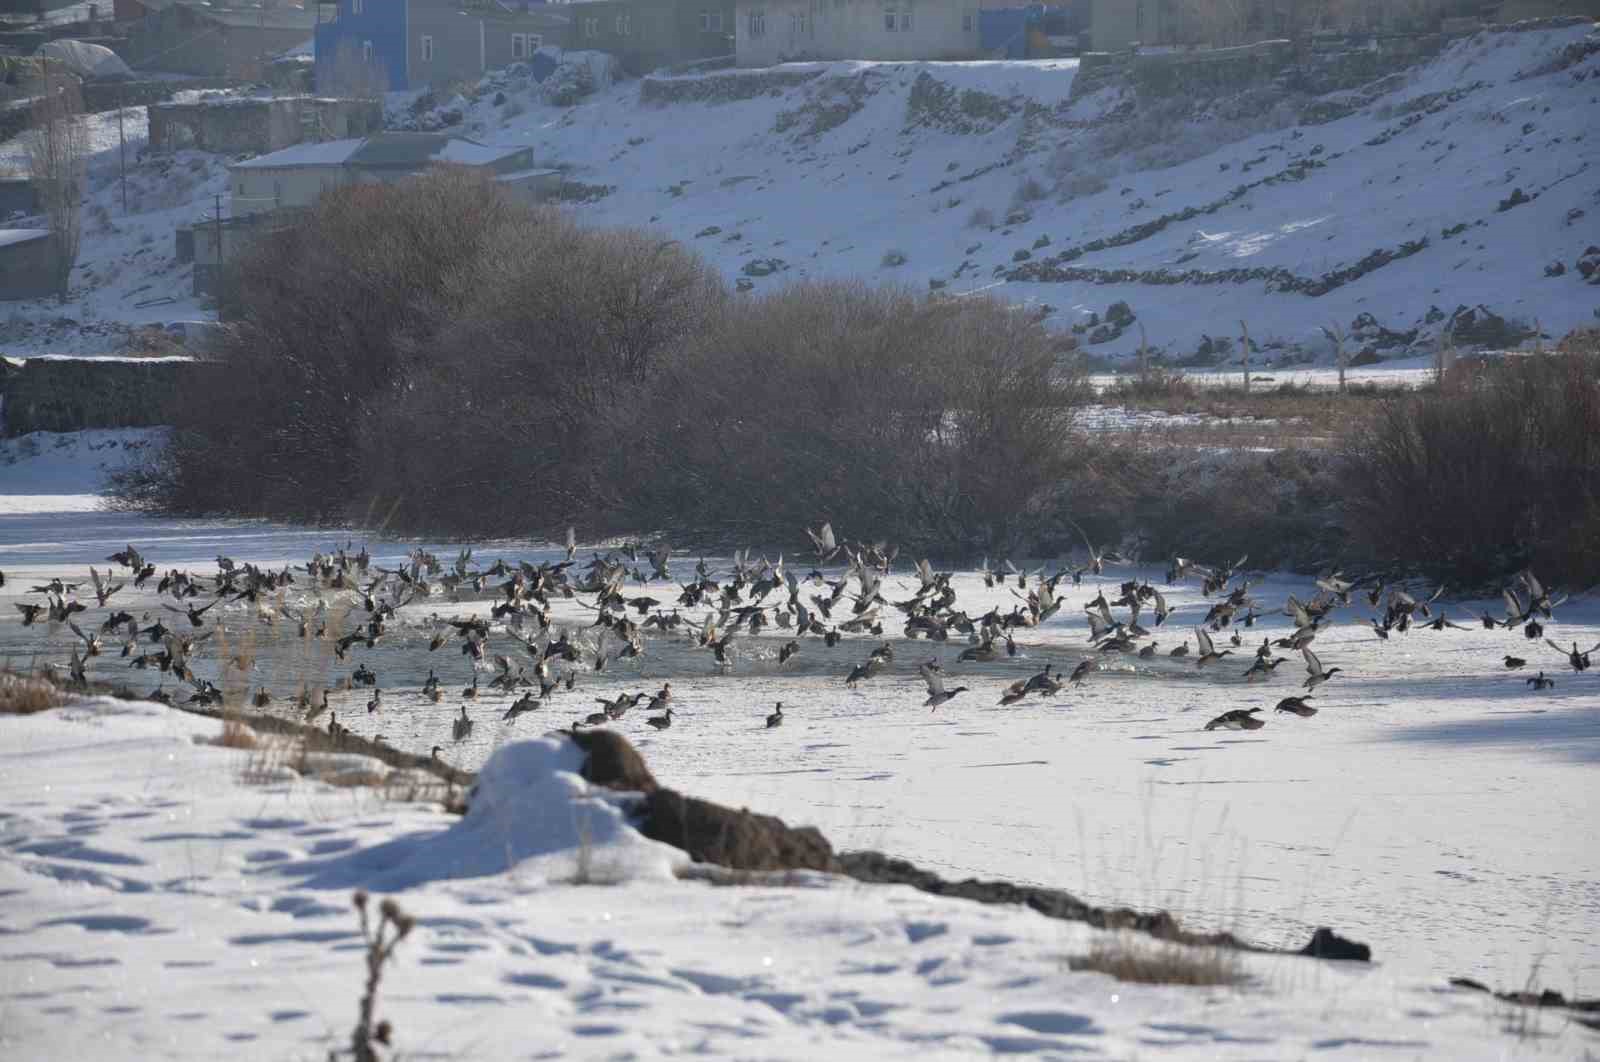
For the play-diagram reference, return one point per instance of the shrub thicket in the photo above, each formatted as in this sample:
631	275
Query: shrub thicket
442	360
1499	469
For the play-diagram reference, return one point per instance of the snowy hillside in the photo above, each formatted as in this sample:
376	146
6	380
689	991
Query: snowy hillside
1407	204
845	174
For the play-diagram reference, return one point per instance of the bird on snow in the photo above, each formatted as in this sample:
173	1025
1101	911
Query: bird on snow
776	718
1297	706
1238	719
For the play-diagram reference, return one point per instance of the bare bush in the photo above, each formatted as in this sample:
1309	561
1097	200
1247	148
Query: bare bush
1498	469
25	694
938	423
1162	963
310	348
980	218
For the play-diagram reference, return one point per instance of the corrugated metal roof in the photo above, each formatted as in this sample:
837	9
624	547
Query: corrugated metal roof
384	151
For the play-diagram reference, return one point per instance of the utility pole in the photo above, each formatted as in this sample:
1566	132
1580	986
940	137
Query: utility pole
122	156
1244	330
218	230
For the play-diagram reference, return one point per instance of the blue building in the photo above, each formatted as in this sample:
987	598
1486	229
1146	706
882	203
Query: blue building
395	45
361	40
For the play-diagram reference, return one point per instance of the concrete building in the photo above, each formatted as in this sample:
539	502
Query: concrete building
255	125
776	31
27	264
216	40
648	35
297	176
365	45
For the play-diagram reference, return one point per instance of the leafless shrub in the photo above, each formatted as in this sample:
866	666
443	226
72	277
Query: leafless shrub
1162	963
394	925
980	218
22	694
58	150
892	259
235	735
1498	469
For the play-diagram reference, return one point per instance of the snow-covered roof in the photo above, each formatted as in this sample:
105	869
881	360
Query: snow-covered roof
383	149
11	236
523	175
326	153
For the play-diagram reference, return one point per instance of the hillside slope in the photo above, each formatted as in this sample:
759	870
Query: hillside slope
1265	217
1382	208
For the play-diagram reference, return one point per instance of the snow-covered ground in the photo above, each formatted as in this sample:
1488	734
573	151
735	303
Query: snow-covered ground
160	906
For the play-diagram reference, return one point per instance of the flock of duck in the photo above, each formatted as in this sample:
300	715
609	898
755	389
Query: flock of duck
348	602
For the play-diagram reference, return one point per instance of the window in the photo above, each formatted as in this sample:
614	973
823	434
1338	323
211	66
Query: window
711	21
622	25
591	27
966	22
427	48
905	21
366	51
798	21
356	6
889	20
523	45
757	23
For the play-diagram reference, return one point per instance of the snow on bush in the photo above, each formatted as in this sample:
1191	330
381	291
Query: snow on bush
530	813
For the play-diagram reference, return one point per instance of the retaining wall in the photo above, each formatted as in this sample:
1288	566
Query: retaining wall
70	394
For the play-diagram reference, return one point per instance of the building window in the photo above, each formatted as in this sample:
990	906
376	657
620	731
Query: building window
889	20
427	48
622	25
711	21
366	51
519	46
356	6
798	21
758	23
966	21
591	27
905	21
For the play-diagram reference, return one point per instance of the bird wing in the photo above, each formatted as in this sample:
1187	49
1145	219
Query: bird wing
1313	665
934	680
1204	641
1086	543
1533	585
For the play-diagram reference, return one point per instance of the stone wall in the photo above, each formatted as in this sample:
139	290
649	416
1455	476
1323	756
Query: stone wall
70	394
258	125
723	87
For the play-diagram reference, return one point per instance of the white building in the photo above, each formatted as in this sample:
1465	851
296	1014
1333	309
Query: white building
297	176
776	31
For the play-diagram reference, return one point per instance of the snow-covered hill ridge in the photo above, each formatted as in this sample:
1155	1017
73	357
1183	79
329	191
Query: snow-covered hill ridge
1457	182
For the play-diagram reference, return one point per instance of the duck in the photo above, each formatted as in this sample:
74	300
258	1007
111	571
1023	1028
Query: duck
786	653
937	694
526	703
461	729
1148	651
262	698
376	702
1238	719
1180	651
1297	706
661	699
1539	682
1262	669
1316	674
1081	672
1208	652
1514	662
776	718
661	722
1578	661
471	692
593	719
